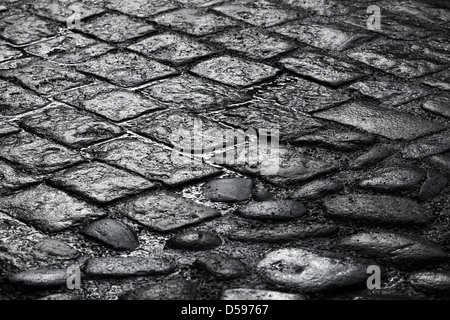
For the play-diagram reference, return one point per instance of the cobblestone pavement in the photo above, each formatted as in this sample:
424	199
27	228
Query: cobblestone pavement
89	115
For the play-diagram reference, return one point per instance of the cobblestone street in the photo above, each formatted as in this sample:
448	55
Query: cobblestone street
98	98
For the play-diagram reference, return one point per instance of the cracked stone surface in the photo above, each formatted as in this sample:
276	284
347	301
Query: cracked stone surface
224	149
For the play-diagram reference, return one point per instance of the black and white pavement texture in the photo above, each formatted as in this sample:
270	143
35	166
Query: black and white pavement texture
94	94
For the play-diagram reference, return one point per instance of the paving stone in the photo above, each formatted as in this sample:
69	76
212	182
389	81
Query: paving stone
36	154
22	29
257	44
7	53
375	155
16	63
428	146
434	282
439	80
166	212
109	101
69	126
437	48
380	209
263	195
7	128
194	21
317	189
442	161
395	58
69	48
113	233
292	165
46	78
439	105
322	68
48	209
126	69
432	186
115	28
273	210
262	116
391	124
152	161
392	179
337	139
194	240
228	190
100	182
253	294
178	289
141	8
63	10
15	99
397	248
23	247
39	278
129	266
305	271
12	178
389	93
182	130
258	14
199	3
322	8
234	71
328	37
282	233
193	93
423	11
174	48
221	266
300	94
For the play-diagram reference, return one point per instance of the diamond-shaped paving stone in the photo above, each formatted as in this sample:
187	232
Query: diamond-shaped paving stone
428	146
23	247
393	178
389	92
266	117
13	178
62	10
69	48
258	14
336	139
15	99
141	8
395	58
439	80
193	93
300	94
69	126
7	53
199	3
48	209
166	212
152	161
254	42
234	71
7	128
23	28
328	37
180	129
46	77
322	68
171	47
365	208
109	101
194	21
323	8
375	155
439	105
37	154
385	122
100	182
115	27
126	69
317	189
286	165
